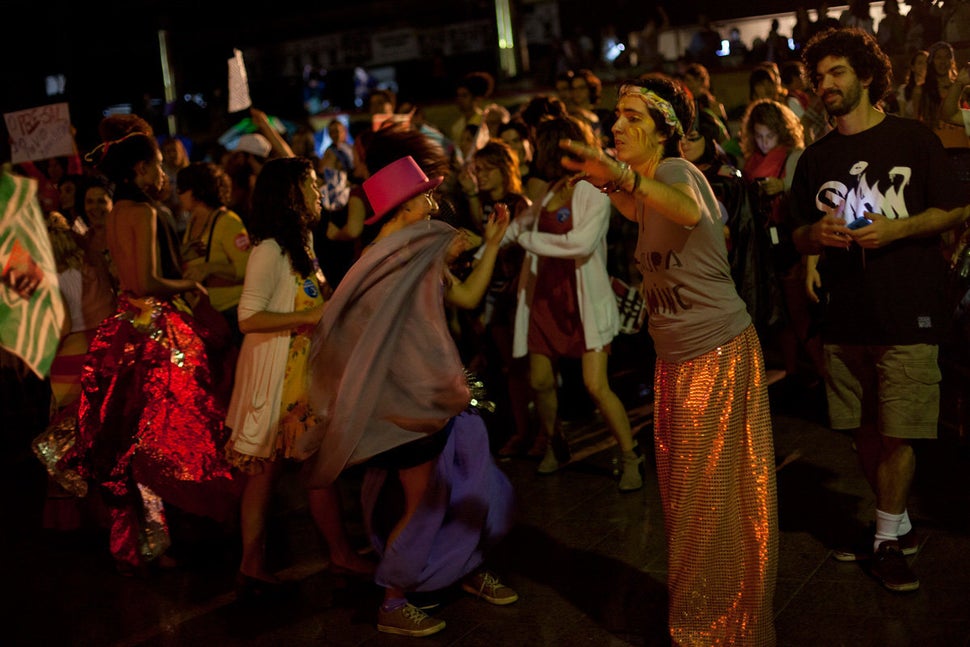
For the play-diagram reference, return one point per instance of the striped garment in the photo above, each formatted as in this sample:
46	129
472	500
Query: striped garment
29	328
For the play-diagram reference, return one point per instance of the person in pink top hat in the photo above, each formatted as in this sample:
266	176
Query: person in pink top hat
388	380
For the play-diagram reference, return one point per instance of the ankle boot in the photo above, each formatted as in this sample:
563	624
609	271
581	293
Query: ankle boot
630	478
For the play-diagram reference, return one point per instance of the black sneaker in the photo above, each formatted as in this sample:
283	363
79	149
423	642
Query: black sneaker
889	566
861	549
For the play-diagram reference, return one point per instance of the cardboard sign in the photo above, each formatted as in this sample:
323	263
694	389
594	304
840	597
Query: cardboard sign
238	83
39	133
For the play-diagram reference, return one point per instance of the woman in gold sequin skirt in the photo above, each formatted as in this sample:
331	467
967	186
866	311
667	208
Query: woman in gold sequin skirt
712	426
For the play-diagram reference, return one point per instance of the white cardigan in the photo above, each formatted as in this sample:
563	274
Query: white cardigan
586	244
254	410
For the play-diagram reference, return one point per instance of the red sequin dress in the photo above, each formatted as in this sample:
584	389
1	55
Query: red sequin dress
149	428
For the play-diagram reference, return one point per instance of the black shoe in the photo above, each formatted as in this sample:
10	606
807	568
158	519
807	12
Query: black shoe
889	567
861	548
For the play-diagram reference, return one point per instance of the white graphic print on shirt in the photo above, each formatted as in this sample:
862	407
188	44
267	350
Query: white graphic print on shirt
835	196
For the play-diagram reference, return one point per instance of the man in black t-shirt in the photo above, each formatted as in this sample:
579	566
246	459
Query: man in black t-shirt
871	197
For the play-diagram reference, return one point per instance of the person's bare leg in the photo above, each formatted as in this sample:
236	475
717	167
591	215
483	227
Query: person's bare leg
326	511
894	475
542	378
868	445
414	481
609	404
254	507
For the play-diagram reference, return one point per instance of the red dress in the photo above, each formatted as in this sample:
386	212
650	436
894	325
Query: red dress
149	428
555	328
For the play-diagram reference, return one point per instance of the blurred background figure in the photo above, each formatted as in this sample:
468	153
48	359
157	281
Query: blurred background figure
174	158
908	92
772	140
215	246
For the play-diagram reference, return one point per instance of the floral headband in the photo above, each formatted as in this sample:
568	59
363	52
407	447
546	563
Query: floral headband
655	101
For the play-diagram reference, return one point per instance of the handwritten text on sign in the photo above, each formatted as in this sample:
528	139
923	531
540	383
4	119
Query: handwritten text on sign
39	133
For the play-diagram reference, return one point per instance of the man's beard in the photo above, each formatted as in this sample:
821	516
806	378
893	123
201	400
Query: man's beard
849	102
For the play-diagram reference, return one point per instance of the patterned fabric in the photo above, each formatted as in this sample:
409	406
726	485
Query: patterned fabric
148	426
715	464
296	415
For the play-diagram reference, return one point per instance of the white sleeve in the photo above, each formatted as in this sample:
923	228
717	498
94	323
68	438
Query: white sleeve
263	275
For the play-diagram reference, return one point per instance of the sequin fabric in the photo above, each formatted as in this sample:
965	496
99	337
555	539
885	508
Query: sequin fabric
716	468
149	428
52	444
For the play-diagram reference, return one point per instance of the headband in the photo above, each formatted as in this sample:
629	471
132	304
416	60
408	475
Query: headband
655	101
103	146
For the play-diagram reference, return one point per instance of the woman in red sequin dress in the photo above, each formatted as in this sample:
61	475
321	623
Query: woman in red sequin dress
149	428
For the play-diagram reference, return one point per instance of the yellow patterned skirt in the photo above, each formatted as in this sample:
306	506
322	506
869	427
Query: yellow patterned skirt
716	467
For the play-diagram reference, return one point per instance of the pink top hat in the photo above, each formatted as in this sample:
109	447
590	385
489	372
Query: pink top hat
394	185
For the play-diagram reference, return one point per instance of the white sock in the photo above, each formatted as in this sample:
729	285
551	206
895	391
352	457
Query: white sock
905	525
887	527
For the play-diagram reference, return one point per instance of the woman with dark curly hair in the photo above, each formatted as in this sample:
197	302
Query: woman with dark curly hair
712	425
283	298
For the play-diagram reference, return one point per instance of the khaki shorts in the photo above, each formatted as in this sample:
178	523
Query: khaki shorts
895	387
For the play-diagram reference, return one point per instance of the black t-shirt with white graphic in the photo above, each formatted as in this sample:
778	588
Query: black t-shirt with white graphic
898	168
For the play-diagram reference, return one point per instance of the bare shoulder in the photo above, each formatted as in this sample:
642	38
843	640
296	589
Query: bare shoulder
133	214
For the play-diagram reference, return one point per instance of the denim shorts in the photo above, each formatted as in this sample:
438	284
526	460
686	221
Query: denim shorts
895	387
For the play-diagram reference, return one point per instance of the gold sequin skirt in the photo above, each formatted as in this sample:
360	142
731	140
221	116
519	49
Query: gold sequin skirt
716	468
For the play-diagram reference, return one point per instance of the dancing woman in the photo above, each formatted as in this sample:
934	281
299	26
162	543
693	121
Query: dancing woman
388	382
712	425
149	427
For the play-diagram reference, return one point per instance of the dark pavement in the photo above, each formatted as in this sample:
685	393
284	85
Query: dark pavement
588	562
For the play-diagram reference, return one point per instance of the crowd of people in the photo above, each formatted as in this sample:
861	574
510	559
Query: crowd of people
232	315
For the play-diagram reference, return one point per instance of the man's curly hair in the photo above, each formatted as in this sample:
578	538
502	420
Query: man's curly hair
863	52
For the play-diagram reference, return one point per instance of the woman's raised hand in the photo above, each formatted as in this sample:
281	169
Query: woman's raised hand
596	167
497	223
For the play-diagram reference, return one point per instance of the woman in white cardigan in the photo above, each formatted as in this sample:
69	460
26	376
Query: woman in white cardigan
282	300
566	306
